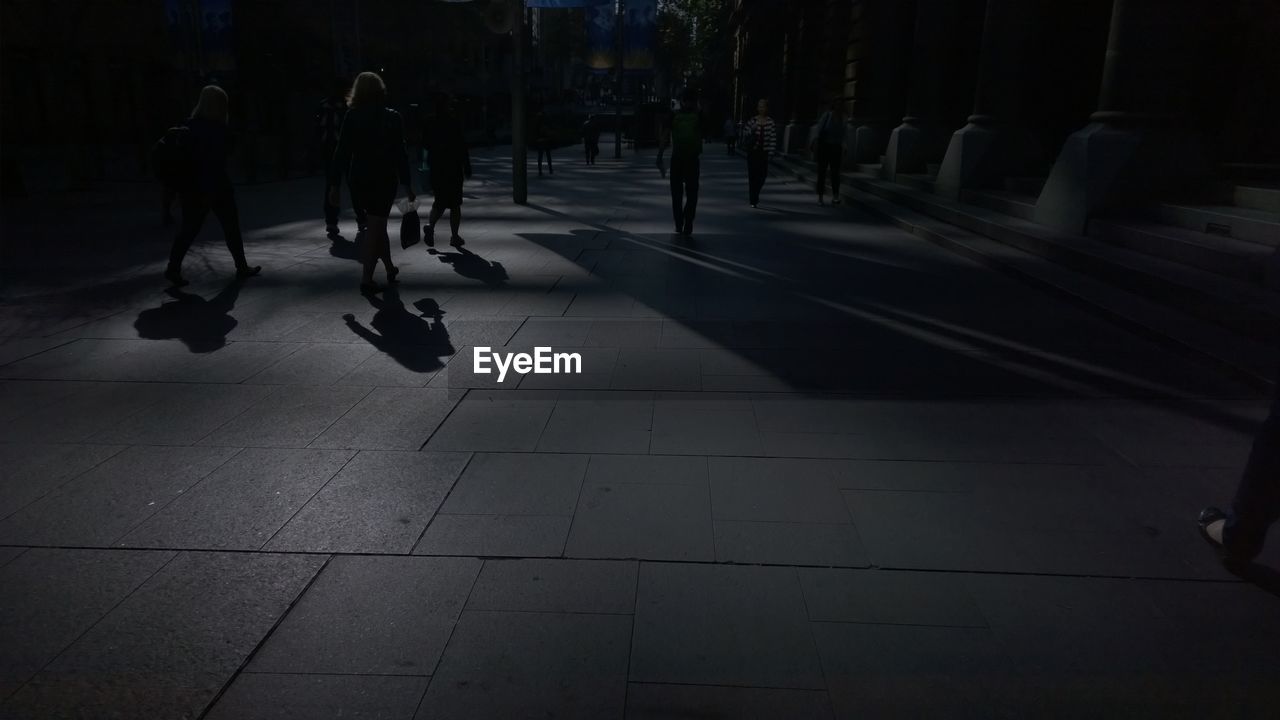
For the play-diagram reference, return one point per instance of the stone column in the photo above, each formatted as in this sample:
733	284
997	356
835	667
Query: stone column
1134	147
992	144
911	142
877	60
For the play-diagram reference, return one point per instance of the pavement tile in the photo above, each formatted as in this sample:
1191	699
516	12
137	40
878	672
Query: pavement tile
242	504
601	422
291	418
502	664
276	696
694	424
19	398
495	421
904	671
102	505
648	469
390	419
184	415
551	586
723	625
518	484
314	364
369	615
89	409
168	649
29	471
623	333
495	535
796	491
380	502
657	369
788	543
49	597
649	701
552	332
646	521
886	597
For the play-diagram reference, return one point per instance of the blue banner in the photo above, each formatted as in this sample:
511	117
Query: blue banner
641	35
601	40
566	3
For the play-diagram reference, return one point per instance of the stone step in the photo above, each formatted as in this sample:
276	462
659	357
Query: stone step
1235	305
932	169
1004	201
918	181
1257	197
1226	256
1031	185
1242	223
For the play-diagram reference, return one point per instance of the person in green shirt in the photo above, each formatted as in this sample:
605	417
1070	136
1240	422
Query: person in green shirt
685	138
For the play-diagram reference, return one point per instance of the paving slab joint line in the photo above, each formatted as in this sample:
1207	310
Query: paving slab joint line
437	513
263	640
465	393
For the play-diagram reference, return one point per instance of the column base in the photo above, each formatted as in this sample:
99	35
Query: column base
1103	166
911	145
864	143
981	153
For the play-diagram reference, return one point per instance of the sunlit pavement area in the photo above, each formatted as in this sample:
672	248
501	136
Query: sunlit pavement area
813	467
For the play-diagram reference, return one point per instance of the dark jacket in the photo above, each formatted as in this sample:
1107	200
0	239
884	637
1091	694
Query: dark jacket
212	144
446	151
371	149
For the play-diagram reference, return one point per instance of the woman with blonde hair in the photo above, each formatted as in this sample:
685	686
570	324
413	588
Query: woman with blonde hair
207	186
371	153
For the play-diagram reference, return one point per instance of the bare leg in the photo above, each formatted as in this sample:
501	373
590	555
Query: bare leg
455	220
372	247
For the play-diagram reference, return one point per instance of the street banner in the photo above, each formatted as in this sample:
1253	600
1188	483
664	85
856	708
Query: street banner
641	36
566	3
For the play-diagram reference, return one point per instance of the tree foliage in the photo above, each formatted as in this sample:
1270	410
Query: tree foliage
693	37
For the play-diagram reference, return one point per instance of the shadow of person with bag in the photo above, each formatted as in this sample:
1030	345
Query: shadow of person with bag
416	341
202	325
470	265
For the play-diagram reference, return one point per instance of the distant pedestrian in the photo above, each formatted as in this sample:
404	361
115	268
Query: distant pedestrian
1239	535
450	166
684	134
828	148
541	136
730	134
761	137
591	138
208	186
371	153
329	118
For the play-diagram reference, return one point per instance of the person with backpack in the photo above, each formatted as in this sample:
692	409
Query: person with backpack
371	154
193	158
685	137
329	118
828	149
761	139
450	166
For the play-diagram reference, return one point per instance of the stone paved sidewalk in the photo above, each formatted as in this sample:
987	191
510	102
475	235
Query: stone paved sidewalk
813	467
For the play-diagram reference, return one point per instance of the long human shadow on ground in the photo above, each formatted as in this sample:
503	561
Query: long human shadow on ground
940	345
470	265
202	325
415	340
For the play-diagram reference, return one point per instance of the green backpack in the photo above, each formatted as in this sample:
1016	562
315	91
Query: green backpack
686	135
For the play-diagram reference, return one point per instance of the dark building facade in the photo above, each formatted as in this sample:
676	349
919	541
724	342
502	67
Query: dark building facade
1081	107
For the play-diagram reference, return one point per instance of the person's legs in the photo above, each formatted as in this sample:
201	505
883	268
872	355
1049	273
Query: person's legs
756	164
676	179
455	219
330	211
540	152
1257	502
224	207
821	156
195	207
166	207
692	171
373	238
834	155
550	170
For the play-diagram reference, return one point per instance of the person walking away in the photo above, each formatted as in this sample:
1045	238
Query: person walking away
329	118
1239	535
591	138
762	138
730	133
542	141
685	137
450	166
208	186
828	149
371	154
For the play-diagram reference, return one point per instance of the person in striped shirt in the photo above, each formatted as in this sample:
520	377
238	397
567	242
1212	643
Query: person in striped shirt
761	138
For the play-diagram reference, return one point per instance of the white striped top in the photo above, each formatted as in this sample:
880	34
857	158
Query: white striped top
765	132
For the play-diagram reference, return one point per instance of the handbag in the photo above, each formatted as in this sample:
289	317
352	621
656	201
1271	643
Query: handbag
410	224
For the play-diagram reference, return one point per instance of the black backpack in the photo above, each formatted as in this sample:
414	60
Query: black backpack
173	158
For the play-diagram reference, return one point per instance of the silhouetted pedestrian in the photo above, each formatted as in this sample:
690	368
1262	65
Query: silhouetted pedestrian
685	136
730	134
329	118
541	136
1240	534
591	138
208	187
761	136
828	148
371	152
450	166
